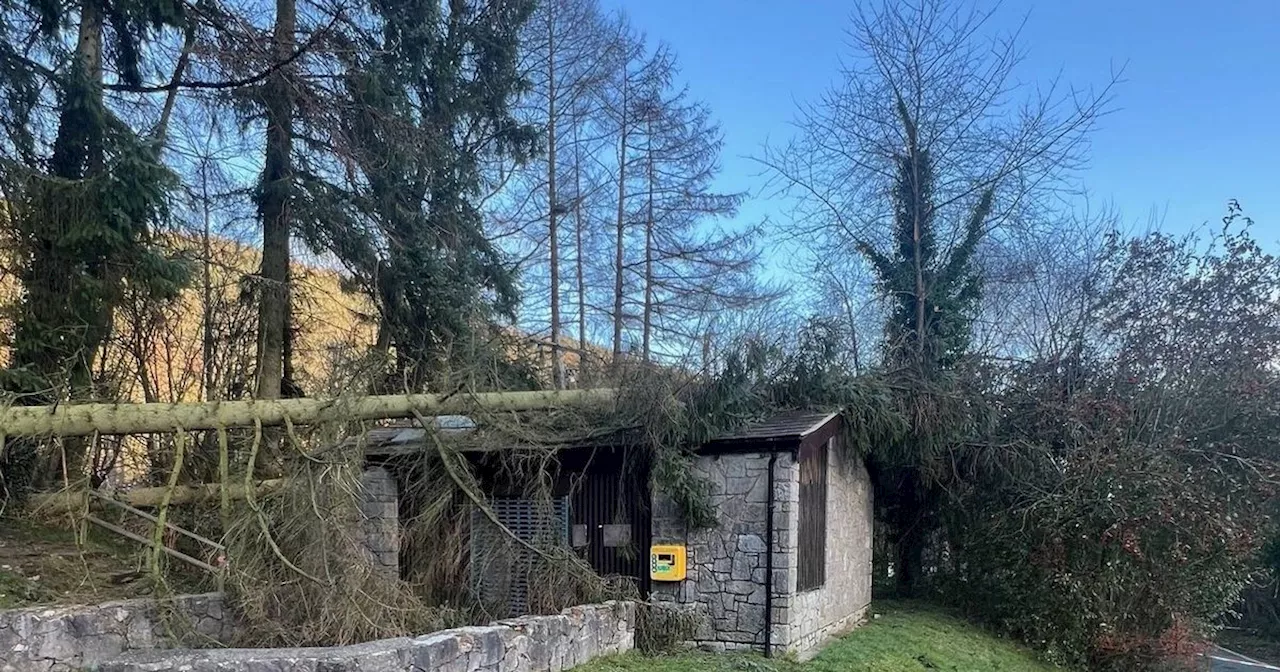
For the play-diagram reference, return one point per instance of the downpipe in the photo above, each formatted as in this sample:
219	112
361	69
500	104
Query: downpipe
768	562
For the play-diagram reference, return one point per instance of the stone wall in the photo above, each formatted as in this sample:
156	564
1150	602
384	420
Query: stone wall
52	639
527	644
726	584
817	615
380	524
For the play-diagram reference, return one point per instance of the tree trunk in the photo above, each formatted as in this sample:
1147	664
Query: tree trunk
277	176
75	501
77	149
553	205
69	464
289	387
910	531
648	253
917	211
64	420
909	564
580	256
621	225
275	198
207	372
853	333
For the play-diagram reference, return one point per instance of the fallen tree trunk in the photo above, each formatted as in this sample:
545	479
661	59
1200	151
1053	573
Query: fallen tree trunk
104	419
149	497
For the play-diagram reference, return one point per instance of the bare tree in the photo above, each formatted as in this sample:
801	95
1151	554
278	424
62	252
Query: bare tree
925	69
568	42
928	157
671	266
633	69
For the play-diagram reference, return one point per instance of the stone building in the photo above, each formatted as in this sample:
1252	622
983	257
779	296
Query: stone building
789	565
786	484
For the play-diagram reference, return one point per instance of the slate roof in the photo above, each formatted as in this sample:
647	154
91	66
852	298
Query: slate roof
782	431
409	438
789	427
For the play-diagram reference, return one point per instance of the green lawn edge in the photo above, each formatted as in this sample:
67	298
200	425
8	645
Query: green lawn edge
897	637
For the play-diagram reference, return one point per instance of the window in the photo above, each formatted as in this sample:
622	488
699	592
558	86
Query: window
812	551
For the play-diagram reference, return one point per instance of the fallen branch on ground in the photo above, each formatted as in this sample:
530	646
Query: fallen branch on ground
150	497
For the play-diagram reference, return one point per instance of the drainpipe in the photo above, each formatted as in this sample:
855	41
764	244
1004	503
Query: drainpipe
768	562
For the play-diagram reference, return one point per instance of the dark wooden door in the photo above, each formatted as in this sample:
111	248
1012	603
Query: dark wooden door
610	523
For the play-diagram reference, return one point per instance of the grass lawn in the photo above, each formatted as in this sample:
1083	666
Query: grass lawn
905	638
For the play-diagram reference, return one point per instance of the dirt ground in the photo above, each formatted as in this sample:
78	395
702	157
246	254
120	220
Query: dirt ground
40	563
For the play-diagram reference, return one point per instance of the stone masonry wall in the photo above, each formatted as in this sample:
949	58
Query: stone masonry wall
527	644
53	639
380	526
726	585
841	603
726	582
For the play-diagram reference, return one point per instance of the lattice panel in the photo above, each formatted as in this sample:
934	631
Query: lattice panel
501	567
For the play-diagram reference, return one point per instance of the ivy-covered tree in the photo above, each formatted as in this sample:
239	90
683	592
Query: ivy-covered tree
933	292
910	169
933	296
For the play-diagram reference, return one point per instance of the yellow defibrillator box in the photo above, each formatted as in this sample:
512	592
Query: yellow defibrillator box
667	563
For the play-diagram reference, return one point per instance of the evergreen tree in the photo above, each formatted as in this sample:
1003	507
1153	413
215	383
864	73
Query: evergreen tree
430	104
83	207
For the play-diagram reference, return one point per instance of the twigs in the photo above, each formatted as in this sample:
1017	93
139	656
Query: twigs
261	516
224	480
178	83
157	537
4	484
466	489
297	445
303	572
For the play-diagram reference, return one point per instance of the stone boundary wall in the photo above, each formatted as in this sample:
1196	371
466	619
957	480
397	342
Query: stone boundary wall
58	638
526	644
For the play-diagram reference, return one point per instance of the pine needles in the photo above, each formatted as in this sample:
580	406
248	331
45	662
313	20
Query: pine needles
300	573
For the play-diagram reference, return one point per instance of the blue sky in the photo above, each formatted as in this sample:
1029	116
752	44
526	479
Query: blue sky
1197	119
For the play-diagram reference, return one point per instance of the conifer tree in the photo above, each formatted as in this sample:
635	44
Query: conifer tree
430	105
83	206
